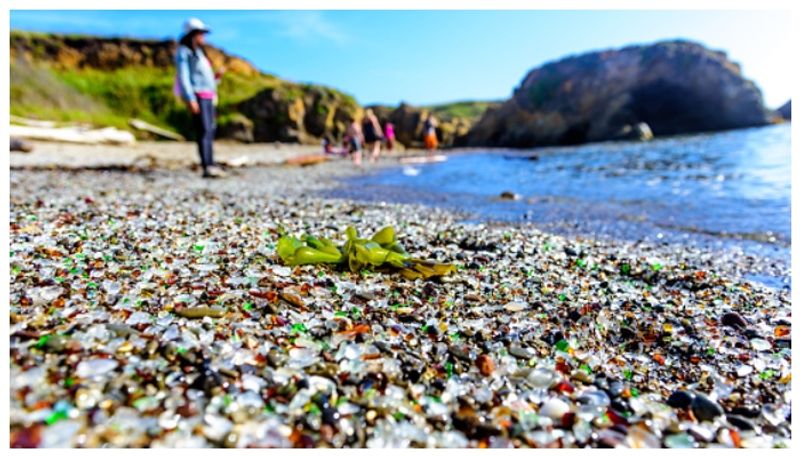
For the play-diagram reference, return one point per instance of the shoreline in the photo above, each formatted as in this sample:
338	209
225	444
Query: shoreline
538	340
770	270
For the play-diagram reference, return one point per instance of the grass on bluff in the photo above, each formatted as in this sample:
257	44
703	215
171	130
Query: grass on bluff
37	93
471	110
111	98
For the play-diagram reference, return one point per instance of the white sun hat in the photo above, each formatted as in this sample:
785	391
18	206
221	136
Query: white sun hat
193	24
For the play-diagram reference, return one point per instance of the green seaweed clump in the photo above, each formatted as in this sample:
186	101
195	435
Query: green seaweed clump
382	251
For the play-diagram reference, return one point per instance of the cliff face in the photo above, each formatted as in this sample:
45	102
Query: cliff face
674	87
299	114
70	52
785	111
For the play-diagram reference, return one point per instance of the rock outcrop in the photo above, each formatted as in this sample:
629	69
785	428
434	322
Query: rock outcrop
299	114
673	87
785	111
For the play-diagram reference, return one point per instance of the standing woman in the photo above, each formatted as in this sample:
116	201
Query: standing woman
197	86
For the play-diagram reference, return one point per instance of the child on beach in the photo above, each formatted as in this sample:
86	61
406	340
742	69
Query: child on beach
329	148
327	145
389	136
431	142
354	141
373	135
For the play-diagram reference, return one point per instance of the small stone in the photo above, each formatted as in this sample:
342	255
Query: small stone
705	409
640	437
520	352
750	411
740	422
773	415
733	319
701	433
542	377
610	438
615	388
50	293
330	416
554	408
199	312
680	441
515	306
95	367
485	364
680	399
760	345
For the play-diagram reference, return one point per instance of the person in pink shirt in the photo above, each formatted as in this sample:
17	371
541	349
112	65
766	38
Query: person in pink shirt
196	83
389	136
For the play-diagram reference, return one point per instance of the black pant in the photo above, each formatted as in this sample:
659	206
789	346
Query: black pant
204	124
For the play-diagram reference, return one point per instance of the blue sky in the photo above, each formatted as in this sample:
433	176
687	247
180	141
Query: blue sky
426	57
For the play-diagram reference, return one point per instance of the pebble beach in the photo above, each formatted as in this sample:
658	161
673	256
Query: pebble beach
150	309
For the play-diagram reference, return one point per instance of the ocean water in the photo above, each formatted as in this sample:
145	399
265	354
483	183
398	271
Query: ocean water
728	189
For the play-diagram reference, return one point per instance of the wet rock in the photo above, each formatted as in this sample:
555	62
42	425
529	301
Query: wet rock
508	195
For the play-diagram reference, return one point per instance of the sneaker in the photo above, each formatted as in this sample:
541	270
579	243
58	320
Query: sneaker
214	172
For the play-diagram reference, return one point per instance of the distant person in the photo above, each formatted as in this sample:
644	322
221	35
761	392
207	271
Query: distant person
18	145
373	135
389	136
327	145
355	139
431	142
197	85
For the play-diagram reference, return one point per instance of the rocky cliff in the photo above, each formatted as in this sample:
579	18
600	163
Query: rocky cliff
299	113
785	111
81	51
673	87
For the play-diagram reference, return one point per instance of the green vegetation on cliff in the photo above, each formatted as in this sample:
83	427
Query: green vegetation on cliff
470	110
38	93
